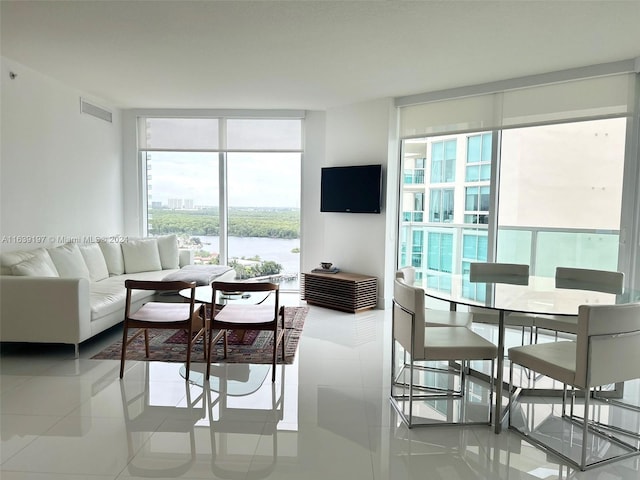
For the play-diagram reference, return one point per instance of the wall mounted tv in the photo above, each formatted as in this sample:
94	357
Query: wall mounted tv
352	189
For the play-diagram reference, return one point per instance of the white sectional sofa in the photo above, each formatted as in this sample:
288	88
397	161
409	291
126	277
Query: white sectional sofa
71	292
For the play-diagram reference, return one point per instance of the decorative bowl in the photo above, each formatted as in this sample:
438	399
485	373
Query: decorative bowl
326	265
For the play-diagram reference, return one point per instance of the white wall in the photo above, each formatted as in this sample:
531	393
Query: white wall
312	222
60	170
362	134
63	174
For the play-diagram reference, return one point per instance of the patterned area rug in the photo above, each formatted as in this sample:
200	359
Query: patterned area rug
254	347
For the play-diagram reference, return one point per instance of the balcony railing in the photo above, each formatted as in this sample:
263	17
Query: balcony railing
543	249
414	177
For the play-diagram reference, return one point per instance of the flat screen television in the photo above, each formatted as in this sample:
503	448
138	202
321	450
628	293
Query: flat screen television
352	189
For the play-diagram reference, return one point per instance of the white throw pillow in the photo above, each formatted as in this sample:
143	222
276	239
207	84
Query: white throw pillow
95	261
141	256
36	266
9	259
68	261
168	249
113	257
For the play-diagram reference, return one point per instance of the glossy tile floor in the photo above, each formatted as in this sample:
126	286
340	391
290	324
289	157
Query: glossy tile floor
328	416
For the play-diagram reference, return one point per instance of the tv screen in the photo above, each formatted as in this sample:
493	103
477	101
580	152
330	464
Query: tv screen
353	189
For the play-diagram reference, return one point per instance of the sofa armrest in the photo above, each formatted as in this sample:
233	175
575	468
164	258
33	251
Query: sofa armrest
186	257
43	309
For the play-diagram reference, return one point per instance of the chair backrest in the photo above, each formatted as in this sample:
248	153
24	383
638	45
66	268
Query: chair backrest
408	274
245	286
607	344
513	273
408	316
157	285
586	279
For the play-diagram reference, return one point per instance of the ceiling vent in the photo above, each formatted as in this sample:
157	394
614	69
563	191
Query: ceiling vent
96	111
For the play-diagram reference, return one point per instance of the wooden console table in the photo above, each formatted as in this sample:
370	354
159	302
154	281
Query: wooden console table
349	292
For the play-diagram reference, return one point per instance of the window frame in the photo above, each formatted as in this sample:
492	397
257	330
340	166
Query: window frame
220	148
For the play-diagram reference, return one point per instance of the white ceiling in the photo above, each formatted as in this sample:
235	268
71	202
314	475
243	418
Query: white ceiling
306	54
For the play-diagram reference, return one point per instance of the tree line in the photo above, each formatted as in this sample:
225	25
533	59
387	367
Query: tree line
242	222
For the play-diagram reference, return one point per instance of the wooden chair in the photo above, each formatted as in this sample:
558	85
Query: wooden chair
242	408
429	344
142	410
606	351
163	315
243	316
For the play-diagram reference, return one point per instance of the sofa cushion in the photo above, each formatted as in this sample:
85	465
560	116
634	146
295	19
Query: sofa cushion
36	266
141	255
9	259
112	253
95	261
169	252
69	261
109	295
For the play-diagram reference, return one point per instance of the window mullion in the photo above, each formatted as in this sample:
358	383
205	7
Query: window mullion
223	198
492	228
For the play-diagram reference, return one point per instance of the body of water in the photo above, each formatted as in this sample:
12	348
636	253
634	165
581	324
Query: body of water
278	250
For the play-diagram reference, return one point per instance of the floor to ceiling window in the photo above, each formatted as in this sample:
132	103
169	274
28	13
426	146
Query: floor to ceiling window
229	188
561	194
559	158
560	198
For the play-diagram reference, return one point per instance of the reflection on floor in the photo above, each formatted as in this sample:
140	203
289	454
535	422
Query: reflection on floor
327	416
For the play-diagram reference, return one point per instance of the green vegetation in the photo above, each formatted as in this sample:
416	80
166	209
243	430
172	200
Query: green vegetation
261	268
243	222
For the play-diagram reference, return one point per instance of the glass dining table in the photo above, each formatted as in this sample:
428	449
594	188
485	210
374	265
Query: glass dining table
540	296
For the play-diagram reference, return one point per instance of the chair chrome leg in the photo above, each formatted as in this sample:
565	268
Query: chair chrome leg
510	395
491	395
411	372
585	430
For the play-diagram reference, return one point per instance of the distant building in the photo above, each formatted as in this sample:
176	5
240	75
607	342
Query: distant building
175	203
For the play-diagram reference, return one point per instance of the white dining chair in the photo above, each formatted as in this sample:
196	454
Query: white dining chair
408	274
606	351
494	272
435	318
581	279
507	273
423	344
